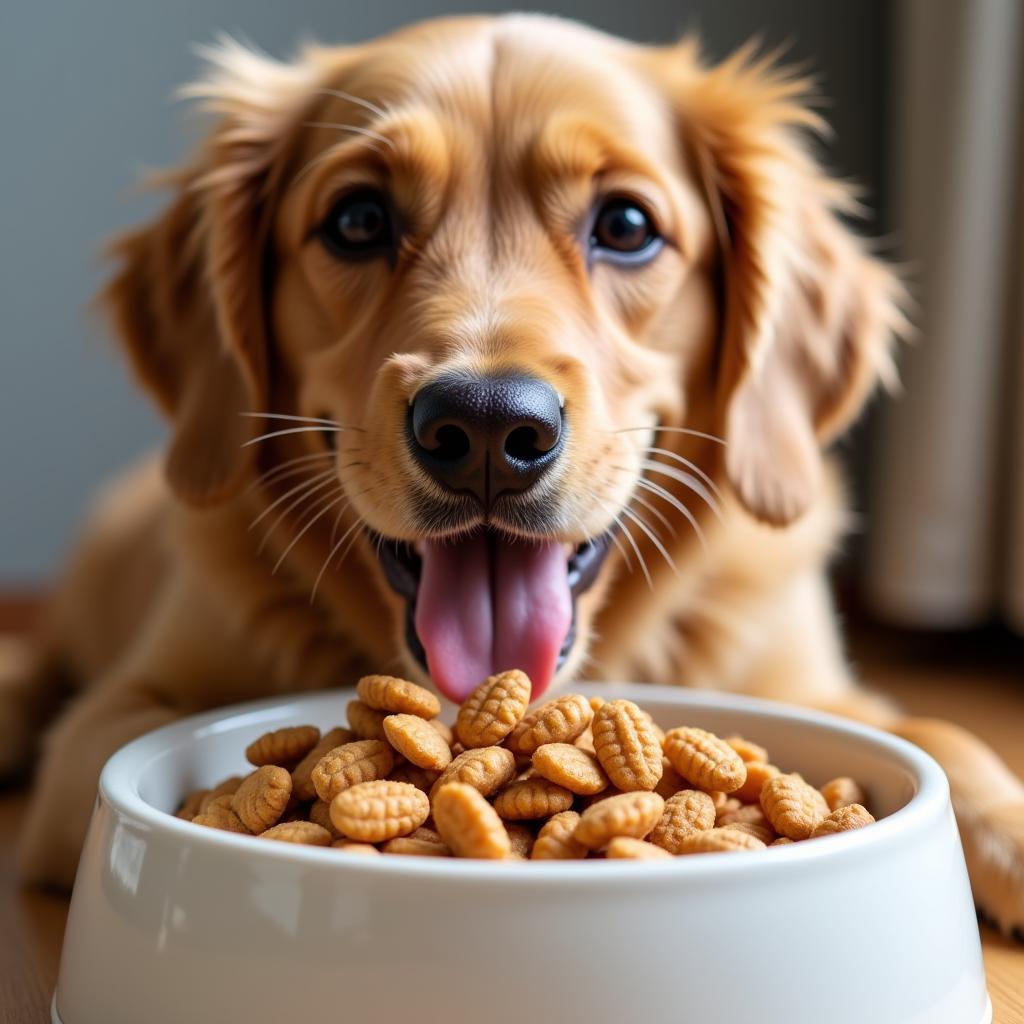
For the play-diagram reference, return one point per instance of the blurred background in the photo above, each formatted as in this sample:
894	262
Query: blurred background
924	98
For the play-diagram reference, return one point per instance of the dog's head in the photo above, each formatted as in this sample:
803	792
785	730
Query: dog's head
515	297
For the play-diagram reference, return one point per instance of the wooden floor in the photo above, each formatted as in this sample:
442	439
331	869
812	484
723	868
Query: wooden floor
977	681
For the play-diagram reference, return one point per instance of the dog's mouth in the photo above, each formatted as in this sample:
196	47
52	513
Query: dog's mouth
484	602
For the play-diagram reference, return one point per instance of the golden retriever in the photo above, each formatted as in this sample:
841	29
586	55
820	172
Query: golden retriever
495	342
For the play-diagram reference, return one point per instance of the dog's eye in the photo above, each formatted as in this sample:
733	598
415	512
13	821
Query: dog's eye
359	224
622	228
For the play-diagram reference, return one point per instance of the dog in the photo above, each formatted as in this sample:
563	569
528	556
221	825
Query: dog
494	342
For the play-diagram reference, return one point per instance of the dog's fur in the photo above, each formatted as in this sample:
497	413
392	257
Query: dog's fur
763	321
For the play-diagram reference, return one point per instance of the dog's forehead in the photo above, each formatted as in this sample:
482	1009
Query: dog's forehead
508	78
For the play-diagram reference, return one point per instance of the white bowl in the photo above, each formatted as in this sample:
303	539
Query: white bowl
171	922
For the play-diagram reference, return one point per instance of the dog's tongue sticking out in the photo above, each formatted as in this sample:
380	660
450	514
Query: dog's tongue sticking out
488	604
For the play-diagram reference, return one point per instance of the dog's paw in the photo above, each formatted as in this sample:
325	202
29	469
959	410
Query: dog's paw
993	841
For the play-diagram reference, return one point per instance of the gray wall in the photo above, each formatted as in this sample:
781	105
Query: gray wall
85	109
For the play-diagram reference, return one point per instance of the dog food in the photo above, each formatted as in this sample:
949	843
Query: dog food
568	780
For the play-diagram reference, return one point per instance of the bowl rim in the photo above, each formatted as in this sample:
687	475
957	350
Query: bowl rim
118	787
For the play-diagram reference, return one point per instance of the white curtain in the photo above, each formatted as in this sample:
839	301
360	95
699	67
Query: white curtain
946	547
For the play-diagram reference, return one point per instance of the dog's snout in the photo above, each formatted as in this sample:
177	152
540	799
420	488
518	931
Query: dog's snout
486	435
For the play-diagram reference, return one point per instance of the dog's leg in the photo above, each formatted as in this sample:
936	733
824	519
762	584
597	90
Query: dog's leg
806	665
989	803
988	800
102	720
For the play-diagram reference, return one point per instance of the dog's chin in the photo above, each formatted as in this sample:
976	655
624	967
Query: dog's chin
484	601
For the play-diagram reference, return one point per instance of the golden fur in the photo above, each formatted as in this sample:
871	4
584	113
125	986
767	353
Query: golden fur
764	320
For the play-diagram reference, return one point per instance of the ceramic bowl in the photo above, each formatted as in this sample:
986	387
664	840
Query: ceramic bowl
172	922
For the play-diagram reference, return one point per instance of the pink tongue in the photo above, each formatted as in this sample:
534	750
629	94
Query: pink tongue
488	604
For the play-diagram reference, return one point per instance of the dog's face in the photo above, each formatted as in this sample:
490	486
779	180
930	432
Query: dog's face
504	264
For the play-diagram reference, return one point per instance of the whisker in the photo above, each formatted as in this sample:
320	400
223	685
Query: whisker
668	496
653	539
356	129
293	466
690	465
622	551
305	496
284	416
284	497
636	550
655	511
296	430
336	524
340	495
684	478
330	558
365	104
672	430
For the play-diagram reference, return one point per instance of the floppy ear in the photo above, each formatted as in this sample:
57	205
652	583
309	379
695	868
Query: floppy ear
809	316
188	300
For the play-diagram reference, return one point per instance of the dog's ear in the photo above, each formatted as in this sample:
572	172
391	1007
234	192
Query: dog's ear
808	314
189	297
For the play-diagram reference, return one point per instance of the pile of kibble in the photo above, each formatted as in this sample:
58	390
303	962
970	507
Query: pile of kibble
569	779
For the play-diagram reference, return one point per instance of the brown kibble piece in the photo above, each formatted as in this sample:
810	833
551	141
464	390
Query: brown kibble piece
685	812
421	778
493	709
721	840
762	832
305	833
747	750
628	814
530	799
627	848
350	846
417	742
442	730
561	720
398	696
751	814
555	839
262	798
793	807
367	723
758	773
468	824
721	799
428	835
190	806
350	765
320	814
605	794
226	788
571	768
283	747
627	746
302	781
410	846
373	812
486	769
218	814
585	741
782	841
671	782
841	792
520	839
704	760
843	819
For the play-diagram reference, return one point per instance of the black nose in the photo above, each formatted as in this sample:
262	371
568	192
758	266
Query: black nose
486	436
